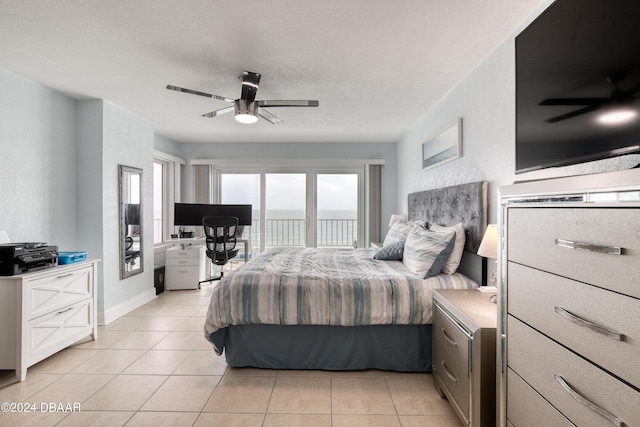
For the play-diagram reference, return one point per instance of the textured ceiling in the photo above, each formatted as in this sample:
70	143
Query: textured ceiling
375	66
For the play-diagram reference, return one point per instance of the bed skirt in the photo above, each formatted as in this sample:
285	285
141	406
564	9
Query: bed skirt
404	348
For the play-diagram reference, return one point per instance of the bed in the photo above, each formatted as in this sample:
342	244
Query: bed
347	310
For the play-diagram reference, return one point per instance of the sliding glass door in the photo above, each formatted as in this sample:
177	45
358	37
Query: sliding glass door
297	208
241	189
285	207
337	210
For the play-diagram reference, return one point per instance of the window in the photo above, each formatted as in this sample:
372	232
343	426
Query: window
166	190
301	208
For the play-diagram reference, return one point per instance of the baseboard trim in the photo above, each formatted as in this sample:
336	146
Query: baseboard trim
106	317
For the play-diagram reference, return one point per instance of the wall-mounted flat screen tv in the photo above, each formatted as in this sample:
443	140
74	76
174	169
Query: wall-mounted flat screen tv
191	214
578	83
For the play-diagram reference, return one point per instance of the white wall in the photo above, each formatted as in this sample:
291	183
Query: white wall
107	137
485	100
127	140
38	163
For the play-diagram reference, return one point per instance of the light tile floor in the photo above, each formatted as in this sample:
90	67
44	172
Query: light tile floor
153	367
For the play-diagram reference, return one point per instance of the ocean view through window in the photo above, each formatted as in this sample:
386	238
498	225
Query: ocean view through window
298	209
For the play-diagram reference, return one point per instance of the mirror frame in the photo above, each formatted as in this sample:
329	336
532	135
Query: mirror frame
123	181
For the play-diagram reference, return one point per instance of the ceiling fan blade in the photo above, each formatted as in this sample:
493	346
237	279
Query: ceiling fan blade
295	103
250	82
574	101
195	92
220	111
268	116
574	113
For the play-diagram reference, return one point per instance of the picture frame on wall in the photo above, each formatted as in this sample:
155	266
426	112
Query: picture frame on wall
443	147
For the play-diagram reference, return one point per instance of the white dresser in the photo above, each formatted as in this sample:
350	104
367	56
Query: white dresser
45	311
186	266
570	301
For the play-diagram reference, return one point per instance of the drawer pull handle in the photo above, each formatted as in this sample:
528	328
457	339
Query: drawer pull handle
449	340
449	374
589	325
583	401
613	250
64	275
65	310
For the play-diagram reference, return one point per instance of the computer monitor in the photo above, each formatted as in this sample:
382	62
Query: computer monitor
191	214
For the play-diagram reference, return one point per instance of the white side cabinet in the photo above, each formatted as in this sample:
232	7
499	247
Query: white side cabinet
43	312
185	267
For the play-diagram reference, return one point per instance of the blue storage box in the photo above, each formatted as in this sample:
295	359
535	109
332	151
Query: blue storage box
71	257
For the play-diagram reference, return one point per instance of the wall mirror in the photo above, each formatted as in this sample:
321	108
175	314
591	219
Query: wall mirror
131	242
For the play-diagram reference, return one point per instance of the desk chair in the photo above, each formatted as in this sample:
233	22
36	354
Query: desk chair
220	232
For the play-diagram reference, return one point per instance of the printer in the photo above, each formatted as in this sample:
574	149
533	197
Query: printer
18	258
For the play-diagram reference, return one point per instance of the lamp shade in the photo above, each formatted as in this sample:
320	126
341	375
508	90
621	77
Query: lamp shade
489	245
395	218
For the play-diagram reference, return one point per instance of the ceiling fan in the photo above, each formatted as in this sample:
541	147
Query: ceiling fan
246	108
620	101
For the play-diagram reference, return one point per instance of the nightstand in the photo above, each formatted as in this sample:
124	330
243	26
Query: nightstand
464	353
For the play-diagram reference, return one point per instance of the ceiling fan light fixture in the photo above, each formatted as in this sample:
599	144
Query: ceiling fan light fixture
617	116
246	112
246	118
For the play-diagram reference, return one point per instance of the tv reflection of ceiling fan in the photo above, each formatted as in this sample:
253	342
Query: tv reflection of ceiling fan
619	99
246	108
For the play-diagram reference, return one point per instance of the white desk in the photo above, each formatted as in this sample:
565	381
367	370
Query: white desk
202	239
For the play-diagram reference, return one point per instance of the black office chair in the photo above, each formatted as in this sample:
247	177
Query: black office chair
220	232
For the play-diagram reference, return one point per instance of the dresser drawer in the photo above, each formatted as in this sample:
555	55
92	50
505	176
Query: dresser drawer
451	358
544	364
536	235
557	307
49	293
54	331
526	408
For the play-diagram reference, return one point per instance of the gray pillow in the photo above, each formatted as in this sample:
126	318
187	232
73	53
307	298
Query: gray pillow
426	252
391	252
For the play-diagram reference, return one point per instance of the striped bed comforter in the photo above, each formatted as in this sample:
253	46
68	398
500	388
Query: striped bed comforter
346	287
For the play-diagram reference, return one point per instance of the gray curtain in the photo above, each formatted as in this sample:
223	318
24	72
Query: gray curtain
201	184
374	201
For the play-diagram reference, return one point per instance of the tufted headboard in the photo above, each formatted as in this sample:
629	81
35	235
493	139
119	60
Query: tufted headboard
465	203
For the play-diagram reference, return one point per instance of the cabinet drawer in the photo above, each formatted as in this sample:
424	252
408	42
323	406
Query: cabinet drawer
54	331
543	364
53	292
182	261
193	252
532	235
556	307
183	277
451	359
526	408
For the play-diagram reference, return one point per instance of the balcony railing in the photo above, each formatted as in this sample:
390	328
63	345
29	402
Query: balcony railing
334	233
292	232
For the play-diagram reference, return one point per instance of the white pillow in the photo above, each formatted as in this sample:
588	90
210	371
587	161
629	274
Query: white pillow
456	255
426	252
399	231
